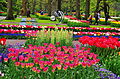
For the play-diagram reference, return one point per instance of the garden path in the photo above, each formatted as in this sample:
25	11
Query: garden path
34	23
2	17
14	41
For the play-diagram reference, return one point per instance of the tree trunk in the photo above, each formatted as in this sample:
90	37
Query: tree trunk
54	6
24	7
49	7
59	4
9	10
78	9
87	10
106	7
34	4
97	5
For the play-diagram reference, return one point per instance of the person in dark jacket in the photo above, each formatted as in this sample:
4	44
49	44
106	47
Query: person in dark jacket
106	18
28	13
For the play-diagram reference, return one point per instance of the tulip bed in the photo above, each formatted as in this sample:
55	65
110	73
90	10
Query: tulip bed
108	50
50	61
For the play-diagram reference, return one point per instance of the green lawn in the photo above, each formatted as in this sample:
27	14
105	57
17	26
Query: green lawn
55	25
46	21
16	20
102	26
8	24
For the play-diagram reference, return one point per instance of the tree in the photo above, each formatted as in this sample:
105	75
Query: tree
33	8
49	7
24	8
87	9
9	10
54	6
3	5
59	4
97	5
78	9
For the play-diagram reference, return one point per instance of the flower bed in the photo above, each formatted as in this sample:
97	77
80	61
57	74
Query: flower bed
64	60
115	24
72	18
98	33
107	49
88	29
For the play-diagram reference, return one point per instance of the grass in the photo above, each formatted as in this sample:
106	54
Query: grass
102	26
55	25
16	20
8	24
46	21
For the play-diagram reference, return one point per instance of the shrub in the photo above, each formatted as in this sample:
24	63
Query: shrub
77	24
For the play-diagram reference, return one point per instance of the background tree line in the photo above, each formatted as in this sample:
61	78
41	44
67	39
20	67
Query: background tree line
67	6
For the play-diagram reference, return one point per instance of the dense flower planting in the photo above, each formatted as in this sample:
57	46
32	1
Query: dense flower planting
16	31
50	27
77	20
98	33
103	42
50	57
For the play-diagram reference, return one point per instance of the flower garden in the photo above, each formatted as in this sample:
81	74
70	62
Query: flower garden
51	52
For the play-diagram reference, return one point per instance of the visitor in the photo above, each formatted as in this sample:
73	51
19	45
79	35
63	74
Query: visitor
28	13
96	18
90	19
41	12
106	18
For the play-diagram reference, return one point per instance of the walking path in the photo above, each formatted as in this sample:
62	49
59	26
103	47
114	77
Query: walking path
33	23
2	17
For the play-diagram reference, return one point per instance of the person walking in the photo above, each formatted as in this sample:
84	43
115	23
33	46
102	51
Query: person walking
106	18
28	13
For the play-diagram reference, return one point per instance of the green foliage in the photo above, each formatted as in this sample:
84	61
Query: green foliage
114	25
113	63
77	24
27	73
65	21
51	36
